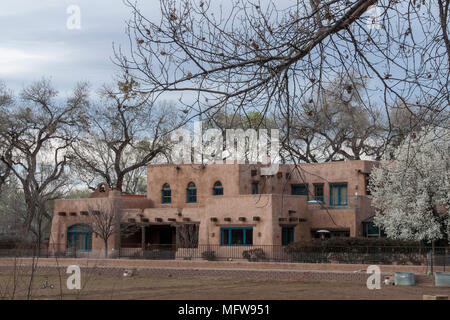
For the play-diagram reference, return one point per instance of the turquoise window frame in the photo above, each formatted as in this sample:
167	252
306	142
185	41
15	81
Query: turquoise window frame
218	191
255	187
229	229
287	235
191	193
338	186
300	187
72	238
316	197
166	193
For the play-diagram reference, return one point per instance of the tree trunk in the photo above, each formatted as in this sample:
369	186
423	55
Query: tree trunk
119	183
106	249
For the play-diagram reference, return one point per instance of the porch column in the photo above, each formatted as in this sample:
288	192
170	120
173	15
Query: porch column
143	237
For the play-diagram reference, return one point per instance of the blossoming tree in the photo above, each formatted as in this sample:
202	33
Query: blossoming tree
411	191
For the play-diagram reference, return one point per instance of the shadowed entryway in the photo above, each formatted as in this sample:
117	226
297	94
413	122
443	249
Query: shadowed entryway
163	235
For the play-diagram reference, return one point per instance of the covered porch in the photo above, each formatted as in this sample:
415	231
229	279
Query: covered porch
157	240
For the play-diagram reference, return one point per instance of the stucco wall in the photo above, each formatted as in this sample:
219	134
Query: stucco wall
273	203
58	235
204	178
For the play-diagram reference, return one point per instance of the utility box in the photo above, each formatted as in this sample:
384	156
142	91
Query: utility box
404	279
442	279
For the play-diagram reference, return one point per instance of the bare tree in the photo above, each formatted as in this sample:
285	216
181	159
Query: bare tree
12	212
187	235
4	174
122	134
106	221
261	56
37	130
336	127
6	98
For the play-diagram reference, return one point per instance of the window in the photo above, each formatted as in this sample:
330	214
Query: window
236	236
255	188
191	193
318	192
338	194
166	194
218	189
299	190
371	230
367	178
79	237
287	235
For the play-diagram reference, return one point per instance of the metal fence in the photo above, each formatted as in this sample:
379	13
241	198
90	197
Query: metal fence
401	255
439	256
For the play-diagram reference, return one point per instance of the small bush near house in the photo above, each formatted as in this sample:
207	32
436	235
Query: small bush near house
209	255
254	254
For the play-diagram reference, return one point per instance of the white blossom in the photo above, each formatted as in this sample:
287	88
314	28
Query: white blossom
411	192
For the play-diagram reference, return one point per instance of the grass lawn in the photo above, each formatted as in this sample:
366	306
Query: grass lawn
95	286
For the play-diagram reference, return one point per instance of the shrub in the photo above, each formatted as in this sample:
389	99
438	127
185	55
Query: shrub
351	243
254	254
357	250
209	255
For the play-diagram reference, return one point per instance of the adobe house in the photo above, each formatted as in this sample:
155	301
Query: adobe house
225	205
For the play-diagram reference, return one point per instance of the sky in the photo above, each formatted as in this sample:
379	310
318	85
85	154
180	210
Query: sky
35	40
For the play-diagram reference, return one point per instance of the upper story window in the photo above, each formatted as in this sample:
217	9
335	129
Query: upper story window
218	189
319	192
367	181
299	190
166	194
338	194
191	193
255	188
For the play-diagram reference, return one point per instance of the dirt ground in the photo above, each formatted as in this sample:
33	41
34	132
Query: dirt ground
102	287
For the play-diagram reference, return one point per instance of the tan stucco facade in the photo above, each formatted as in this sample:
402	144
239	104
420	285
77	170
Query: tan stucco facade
266	213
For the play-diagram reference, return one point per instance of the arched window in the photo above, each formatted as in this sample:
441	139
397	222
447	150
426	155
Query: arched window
79	237
218	189
191	193
166	194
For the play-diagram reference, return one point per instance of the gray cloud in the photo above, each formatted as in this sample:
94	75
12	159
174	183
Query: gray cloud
35	42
